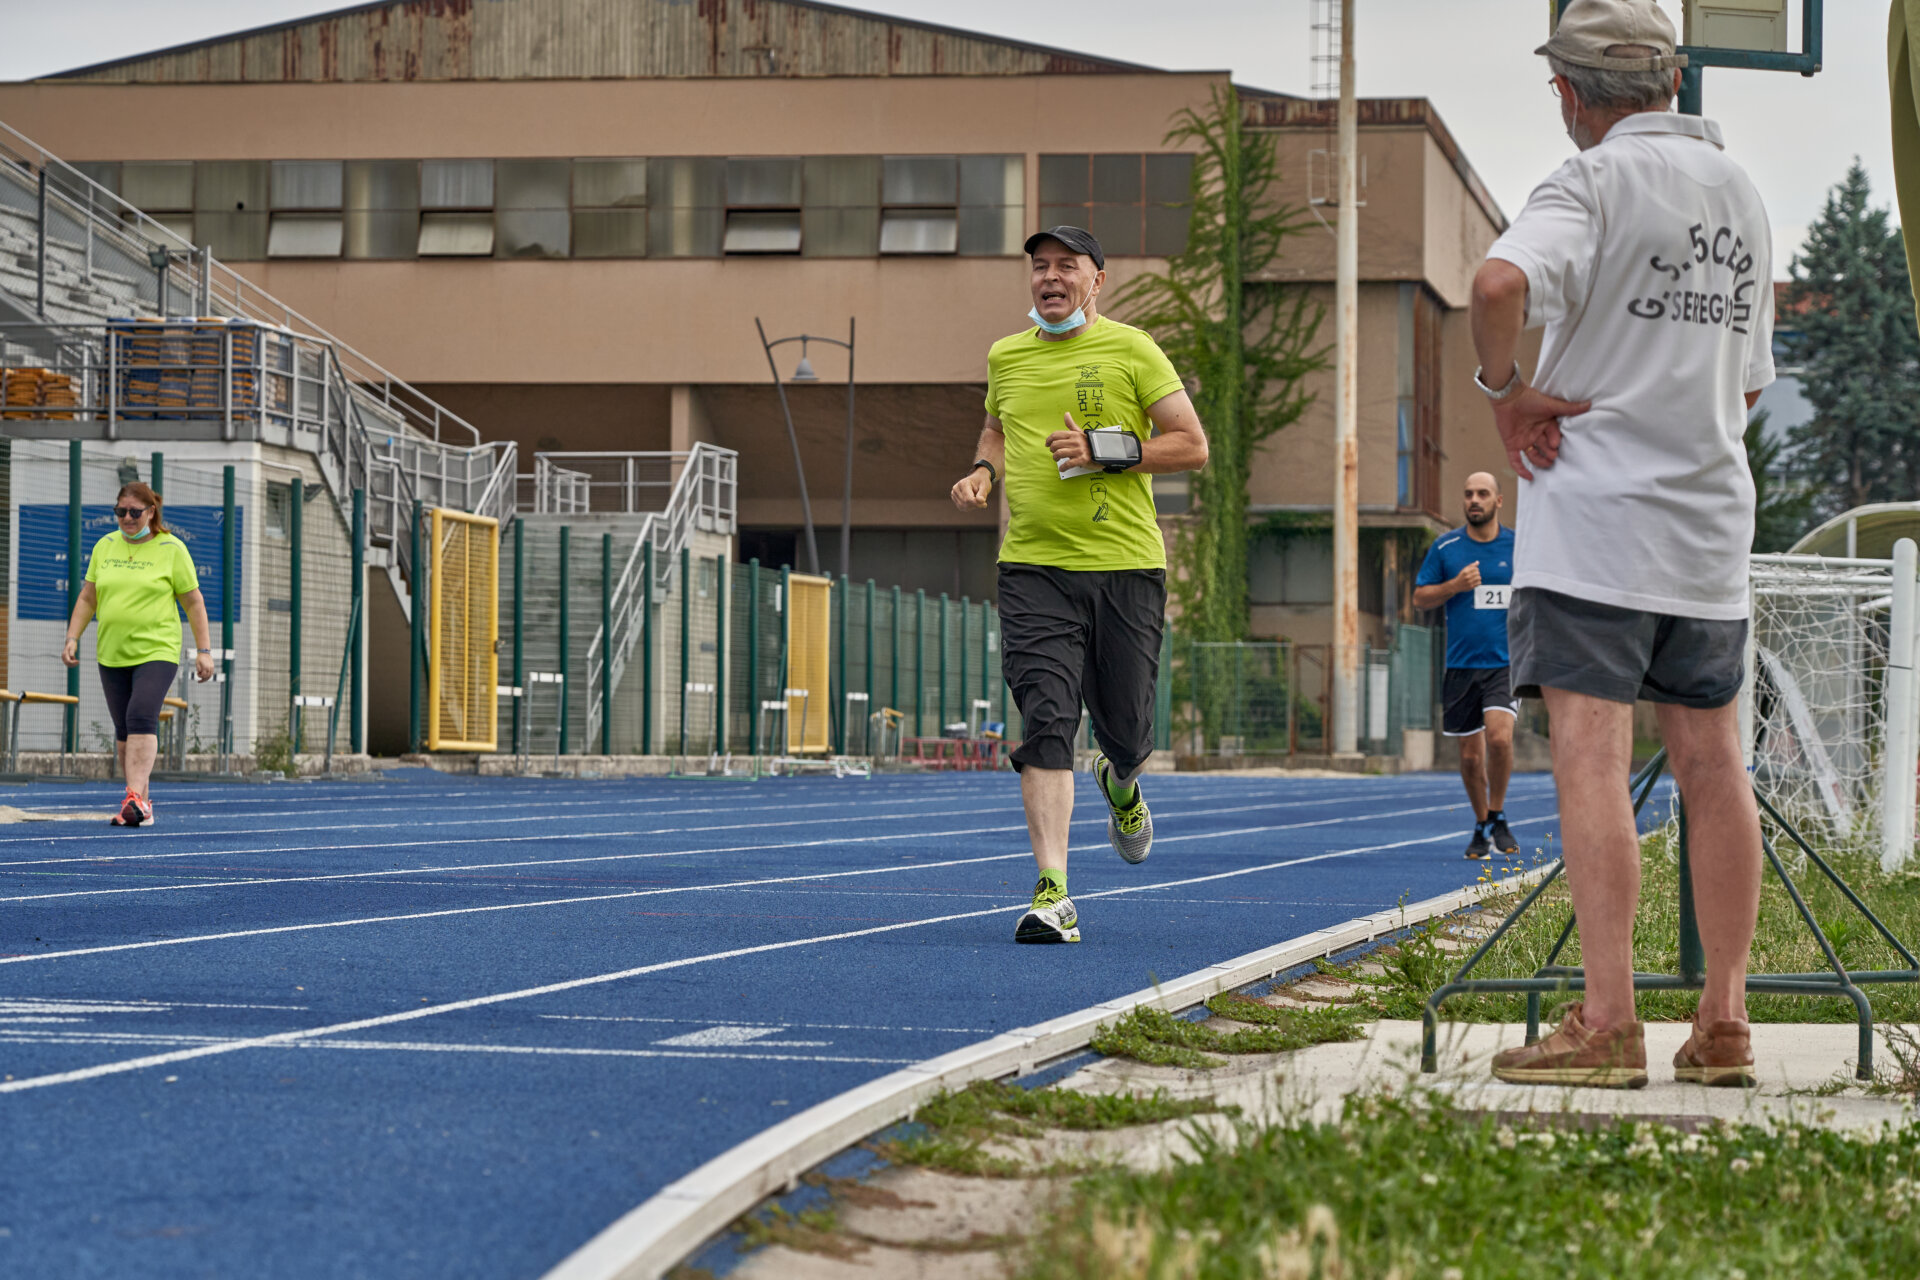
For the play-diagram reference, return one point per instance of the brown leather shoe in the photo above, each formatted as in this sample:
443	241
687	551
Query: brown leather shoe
1721	1053
1577	1055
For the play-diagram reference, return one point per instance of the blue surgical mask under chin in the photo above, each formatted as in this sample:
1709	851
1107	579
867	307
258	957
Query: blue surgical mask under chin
1072	322
137	537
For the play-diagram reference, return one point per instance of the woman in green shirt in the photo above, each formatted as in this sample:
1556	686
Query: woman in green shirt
135	576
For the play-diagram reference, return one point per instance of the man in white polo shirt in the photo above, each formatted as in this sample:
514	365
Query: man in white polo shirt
1647	258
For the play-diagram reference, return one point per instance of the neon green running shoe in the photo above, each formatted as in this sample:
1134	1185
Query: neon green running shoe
1051	918
1130	830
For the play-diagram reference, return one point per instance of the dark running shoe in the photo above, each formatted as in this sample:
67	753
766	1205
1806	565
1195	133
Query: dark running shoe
1502	838
1051	918
1478	850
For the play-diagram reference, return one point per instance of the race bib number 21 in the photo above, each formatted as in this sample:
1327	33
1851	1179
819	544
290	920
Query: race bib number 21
1487	596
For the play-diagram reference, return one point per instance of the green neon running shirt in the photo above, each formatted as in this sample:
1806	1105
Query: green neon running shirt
1105	377
134	588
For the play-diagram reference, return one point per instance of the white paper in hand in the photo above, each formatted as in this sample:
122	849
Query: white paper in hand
1068	473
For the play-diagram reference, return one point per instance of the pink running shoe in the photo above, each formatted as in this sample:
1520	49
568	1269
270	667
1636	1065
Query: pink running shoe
133	811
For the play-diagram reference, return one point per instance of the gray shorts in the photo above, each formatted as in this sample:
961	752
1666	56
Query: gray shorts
1562	642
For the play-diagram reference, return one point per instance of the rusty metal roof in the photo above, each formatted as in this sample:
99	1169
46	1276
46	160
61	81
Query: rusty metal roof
411	40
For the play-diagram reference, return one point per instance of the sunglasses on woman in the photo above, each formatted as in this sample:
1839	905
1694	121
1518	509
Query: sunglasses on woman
129	513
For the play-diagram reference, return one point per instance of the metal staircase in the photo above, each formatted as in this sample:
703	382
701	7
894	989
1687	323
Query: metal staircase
74	256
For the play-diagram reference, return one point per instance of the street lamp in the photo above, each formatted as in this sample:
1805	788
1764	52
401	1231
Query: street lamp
803	372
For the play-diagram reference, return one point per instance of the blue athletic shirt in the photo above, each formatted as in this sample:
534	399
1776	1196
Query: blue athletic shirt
1476	626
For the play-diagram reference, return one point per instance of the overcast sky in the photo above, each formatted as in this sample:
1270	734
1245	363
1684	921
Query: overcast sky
1473	58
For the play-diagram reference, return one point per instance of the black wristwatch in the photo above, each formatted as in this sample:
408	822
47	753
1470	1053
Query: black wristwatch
993	476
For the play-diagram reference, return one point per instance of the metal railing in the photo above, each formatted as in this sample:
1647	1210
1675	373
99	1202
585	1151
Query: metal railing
703	497
368	428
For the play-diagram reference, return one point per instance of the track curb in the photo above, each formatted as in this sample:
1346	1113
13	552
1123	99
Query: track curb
646	1241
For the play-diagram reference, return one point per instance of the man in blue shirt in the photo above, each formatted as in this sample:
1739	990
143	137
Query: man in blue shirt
1470	571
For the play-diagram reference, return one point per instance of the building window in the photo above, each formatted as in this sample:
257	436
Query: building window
920	196
1290	569
163	190
382	208
763	206
609	208
1134	204
531	217
686	206
456	209
306	221
1418	401
230	208
840	207
993	205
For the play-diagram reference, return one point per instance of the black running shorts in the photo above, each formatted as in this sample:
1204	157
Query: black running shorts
1070	637
1562	642
135	695
1468	693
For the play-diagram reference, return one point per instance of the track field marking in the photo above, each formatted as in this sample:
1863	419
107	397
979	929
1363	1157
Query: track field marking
393	872
646	893
85	860
428	1046
804	1026
573	984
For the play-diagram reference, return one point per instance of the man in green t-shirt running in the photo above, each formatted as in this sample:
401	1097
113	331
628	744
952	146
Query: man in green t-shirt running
1080	411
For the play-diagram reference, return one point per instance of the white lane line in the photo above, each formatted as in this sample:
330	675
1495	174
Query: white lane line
574	984
200	834
648	893
779	1026
428	1046
394	872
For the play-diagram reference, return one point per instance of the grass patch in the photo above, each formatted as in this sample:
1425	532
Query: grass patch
809	1231
1417	964
1399	1189
1157	1037
959	1124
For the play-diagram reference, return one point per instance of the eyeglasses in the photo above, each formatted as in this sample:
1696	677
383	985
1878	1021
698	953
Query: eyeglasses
129	513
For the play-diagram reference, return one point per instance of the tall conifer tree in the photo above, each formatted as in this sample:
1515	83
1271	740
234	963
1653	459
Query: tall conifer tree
1861	355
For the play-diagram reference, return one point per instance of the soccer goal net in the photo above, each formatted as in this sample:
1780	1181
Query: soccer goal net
1827	717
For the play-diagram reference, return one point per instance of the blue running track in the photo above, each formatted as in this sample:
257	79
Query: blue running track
446	1026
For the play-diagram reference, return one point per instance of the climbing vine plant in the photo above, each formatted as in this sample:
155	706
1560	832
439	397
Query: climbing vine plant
1245	345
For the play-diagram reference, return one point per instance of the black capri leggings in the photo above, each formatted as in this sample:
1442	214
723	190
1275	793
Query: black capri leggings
135	694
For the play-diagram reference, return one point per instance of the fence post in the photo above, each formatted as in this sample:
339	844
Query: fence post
920	662
786	658
76	576
837	706
686	636
358	590
1897	780
40	258
893	650
719	700
565	664
986	686
1000	632
753	657
870	707
966	711
519	626
229	603
941	727
158	468
606	644
416	629
646	647
296	535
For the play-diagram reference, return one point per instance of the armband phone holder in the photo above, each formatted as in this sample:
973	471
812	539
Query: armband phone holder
1114	450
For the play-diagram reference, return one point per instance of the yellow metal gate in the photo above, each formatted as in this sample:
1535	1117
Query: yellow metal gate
463	627
809	644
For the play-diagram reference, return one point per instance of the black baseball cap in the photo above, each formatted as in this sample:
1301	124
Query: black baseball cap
1075	238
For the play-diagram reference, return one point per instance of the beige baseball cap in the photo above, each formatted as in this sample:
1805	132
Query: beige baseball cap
1588	28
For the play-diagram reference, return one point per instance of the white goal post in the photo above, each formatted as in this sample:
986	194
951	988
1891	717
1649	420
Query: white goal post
1830	712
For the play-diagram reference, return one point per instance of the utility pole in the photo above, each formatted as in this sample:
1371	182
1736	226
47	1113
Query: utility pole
1346	444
